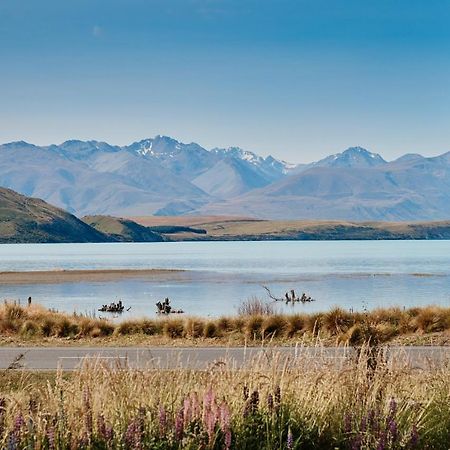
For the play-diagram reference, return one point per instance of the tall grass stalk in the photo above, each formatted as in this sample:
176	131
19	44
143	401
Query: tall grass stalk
269	404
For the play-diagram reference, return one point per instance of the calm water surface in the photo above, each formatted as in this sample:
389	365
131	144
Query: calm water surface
352	274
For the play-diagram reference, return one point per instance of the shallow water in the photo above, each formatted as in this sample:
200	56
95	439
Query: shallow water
352	274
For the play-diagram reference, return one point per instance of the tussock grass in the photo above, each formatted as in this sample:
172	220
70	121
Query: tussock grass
269	404
337	325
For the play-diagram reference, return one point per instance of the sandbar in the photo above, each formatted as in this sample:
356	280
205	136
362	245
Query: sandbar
71	276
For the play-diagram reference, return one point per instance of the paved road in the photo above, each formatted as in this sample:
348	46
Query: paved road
69	358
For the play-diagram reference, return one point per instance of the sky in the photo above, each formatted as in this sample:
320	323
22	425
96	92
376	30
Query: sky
298	79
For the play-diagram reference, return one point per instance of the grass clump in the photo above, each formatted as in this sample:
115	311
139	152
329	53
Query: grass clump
334	326
255	307
269	405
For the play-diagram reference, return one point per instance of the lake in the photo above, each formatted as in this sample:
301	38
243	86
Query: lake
351	274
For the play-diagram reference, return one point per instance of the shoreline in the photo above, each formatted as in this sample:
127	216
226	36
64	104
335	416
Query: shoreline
64	276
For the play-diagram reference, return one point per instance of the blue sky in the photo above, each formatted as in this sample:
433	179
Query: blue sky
299	79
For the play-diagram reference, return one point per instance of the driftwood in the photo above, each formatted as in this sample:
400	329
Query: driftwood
290	297
165	308
114	307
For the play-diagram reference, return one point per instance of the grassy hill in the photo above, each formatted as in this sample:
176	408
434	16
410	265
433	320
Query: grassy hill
31	220
249	229
122	230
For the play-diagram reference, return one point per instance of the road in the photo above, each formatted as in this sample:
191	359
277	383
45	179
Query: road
69	358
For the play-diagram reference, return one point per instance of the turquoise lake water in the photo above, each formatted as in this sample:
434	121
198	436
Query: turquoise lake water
351	274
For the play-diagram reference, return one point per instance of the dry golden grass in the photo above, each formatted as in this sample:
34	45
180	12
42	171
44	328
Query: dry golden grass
269	404
36	324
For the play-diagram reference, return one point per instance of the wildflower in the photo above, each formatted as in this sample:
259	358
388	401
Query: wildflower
393	429
382	442
12	442
347	423
392	407
162	415
187	411
195	405
278	396
179	425
290	440
254	400
414	437
51	438
19	422
133	435
104	431
208	399
246	391
227	439
270	402
224	412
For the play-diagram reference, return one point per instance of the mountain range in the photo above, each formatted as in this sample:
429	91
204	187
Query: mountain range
162	176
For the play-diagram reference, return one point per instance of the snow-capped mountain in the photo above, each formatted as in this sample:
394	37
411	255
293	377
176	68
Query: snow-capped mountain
353	157
161	175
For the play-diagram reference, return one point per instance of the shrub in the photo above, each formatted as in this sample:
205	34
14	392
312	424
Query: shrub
193	328
151	327
65	328
314	323
253	326
225	324
106	329
29	329
337	321
273	326
14	312
432	319
47	326
173	328
210	330
128	327
295	324
255	307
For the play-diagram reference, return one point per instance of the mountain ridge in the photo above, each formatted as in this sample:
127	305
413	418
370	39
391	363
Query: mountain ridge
164	176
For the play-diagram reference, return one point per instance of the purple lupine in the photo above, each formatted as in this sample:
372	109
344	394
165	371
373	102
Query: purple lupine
133	435
363	425
270	402
12	442
179	425
278	396
162	416
195	405
371	415
227	439
246	392
51	438
187	411
356	442
19	423
209	421
392	407
290	440
225	418
347	423
101	427
254	401
382	442
414	437
208	398
393	429
104	430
